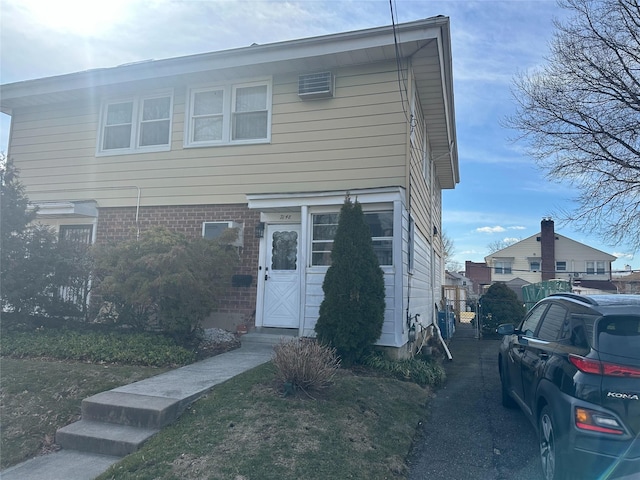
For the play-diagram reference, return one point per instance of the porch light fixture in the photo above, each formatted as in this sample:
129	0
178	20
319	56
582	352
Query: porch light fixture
260	230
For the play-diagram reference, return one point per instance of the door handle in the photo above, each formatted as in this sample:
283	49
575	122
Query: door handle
543	356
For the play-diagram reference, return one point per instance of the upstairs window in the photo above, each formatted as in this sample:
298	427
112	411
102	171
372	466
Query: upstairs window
250	113
502	267
135	125
534	265
228	114
561	266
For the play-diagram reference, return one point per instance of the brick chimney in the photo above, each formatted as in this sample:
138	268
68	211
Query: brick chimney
548	249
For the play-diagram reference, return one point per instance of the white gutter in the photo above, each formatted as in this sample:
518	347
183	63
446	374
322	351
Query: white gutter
287	51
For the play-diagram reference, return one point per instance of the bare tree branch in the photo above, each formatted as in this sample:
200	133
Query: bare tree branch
580	116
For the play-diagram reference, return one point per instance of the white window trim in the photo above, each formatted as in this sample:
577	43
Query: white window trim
374	208
136	121
595	264
503	264
227	113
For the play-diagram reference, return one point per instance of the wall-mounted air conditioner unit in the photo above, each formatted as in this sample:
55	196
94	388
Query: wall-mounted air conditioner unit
212	230
577	275
315	85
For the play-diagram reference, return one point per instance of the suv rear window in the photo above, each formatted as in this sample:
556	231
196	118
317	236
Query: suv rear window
619	335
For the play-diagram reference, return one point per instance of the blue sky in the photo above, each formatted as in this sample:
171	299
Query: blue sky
501	194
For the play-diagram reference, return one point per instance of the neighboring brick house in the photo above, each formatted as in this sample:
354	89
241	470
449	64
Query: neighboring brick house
479	274
267	139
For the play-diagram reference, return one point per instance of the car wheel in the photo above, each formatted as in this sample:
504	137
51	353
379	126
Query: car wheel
553	460
507	400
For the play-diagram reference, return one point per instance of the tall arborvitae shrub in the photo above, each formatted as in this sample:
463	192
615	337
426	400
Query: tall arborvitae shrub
352	312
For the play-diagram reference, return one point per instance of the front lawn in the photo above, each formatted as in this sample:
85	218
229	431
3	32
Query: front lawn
39	396
361	427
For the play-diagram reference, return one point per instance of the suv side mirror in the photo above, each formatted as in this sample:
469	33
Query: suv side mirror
506	329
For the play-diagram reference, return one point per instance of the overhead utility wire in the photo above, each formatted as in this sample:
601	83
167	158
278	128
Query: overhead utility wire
401	80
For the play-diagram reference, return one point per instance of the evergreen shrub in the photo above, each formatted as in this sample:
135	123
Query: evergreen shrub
352	311
500	305
162	281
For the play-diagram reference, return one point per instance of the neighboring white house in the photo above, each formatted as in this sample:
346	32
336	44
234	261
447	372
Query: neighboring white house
457	291
548	255
266	139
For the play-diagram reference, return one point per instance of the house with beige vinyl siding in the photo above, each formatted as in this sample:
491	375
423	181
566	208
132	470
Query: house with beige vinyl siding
266	139
551	256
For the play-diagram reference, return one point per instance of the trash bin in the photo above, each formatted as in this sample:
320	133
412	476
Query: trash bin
446	323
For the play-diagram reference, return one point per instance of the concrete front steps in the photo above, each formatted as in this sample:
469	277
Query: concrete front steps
268	336
115	423
119	421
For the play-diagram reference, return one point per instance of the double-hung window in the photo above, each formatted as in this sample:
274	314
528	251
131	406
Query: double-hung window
595	267
325	225
228	114
136	124
502	267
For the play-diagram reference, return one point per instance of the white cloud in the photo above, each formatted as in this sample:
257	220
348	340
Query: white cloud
623	256
496	229
517	227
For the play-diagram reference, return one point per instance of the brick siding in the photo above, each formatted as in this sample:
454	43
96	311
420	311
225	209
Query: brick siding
118	224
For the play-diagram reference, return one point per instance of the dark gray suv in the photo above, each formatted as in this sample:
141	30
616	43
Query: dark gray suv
573	367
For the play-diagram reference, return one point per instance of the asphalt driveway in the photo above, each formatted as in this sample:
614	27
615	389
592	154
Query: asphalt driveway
469	435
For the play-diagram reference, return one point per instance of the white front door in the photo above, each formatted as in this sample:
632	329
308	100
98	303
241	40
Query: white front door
282	277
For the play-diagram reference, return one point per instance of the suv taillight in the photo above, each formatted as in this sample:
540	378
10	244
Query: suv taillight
597	422
588	365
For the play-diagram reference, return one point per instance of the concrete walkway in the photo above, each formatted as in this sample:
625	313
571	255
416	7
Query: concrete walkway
118	422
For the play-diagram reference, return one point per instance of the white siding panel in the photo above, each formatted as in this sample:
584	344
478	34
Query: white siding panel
422	299
315	295
519	254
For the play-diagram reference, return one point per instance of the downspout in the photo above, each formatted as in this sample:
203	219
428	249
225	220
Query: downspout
137	214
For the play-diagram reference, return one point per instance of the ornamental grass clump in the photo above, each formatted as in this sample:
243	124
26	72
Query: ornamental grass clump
424	373
304	364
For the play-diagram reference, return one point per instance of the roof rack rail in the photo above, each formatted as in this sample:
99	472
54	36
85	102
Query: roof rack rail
575	296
